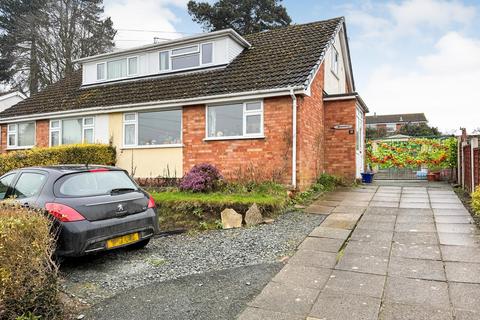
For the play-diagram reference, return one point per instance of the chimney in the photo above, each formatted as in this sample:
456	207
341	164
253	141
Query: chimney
156	40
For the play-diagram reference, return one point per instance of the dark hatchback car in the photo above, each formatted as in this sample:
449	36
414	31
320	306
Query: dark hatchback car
97	207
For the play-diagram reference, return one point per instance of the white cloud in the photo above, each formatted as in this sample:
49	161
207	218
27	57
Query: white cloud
443	84
391	20
143	15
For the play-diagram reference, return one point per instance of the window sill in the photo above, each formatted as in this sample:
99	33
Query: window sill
159	146
20	148
234	138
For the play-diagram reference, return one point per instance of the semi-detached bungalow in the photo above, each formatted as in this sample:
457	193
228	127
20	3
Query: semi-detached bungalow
279	103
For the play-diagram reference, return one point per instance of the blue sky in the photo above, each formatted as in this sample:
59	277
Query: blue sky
408	56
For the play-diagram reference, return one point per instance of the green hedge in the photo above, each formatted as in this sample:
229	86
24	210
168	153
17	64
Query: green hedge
71	154
29	281
476	200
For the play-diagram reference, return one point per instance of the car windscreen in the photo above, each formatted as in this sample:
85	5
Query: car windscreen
95	183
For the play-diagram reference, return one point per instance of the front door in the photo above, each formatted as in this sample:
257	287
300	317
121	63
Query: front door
360	143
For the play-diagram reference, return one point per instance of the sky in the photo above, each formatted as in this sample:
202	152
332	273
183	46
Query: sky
408	56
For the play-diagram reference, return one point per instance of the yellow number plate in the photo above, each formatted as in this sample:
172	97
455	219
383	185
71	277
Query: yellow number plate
120	241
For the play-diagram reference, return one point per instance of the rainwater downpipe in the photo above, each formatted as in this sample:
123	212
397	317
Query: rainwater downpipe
294	139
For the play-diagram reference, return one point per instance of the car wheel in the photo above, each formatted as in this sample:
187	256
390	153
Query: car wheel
140	244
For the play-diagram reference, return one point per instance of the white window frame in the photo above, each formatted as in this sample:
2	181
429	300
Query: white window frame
59	129
104	71
335	61
135	123
199	51
105	63
15	133
244	119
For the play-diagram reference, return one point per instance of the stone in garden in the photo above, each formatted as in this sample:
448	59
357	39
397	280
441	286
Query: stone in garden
268	221
253	216
231	219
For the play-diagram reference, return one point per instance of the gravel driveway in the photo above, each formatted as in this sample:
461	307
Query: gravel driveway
94	278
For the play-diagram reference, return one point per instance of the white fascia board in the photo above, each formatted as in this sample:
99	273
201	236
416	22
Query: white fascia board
158	104
13	94
166	44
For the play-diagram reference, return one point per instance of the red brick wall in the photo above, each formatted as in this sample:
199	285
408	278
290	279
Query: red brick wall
268	157
42	133
3	135
340	144
311	134
476	171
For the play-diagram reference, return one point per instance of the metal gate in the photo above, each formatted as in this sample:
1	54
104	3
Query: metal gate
401	174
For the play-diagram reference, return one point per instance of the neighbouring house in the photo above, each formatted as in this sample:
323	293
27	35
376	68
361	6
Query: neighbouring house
280	103
392	123
10	98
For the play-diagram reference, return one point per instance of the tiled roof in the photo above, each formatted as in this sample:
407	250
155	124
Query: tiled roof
396	118
278	58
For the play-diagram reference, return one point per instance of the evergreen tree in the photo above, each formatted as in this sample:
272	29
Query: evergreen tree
40	39
244	16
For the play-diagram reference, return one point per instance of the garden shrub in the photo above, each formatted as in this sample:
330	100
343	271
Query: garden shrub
71	154
201	178
476	200
29	284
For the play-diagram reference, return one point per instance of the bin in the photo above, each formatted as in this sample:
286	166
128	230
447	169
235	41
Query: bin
367	177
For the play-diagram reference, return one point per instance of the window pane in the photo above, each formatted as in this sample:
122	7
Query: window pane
12	128
161	127
88	136
88	121
129	134
251	106
117	69
100	71
254	124
189	61
207	53
72	131
26	134
95	183
164	57
225	121
4	184
11	139
29	185
185	50
132	66
55	138
130	117
55	124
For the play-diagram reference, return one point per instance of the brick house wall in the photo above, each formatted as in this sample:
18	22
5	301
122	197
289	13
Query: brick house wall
340	144
311	134
3	137
265	158
468	167
42	133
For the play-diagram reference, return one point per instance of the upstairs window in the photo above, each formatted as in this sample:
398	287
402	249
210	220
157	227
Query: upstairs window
72	131
186	57
21	135
335	60
117	69
235	120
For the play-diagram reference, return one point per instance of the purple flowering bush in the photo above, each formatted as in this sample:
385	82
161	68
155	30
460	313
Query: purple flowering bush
202	177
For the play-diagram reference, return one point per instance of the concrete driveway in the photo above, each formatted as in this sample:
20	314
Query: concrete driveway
397	251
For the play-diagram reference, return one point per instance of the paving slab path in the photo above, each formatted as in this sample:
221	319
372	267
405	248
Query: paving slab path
394	251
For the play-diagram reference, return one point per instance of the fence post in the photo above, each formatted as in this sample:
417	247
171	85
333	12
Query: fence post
459	160
473	146
463	164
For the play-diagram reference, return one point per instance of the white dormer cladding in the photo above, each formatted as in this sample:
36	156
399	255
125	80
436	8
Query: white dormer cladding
180	55
335	63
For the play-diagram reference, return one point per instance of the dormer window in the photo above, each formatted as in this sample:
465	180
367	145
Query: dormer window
187	57
117	69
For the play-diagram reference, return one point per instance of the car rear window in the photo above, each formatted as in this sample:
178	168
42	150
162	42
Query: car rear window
94	183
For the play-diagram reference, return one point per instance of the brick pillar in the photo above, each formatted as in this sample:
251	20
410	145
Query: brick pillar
3	138
42	133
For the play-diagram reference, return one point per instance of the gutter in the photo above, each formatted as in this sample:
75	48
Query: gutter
294	139
158	104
